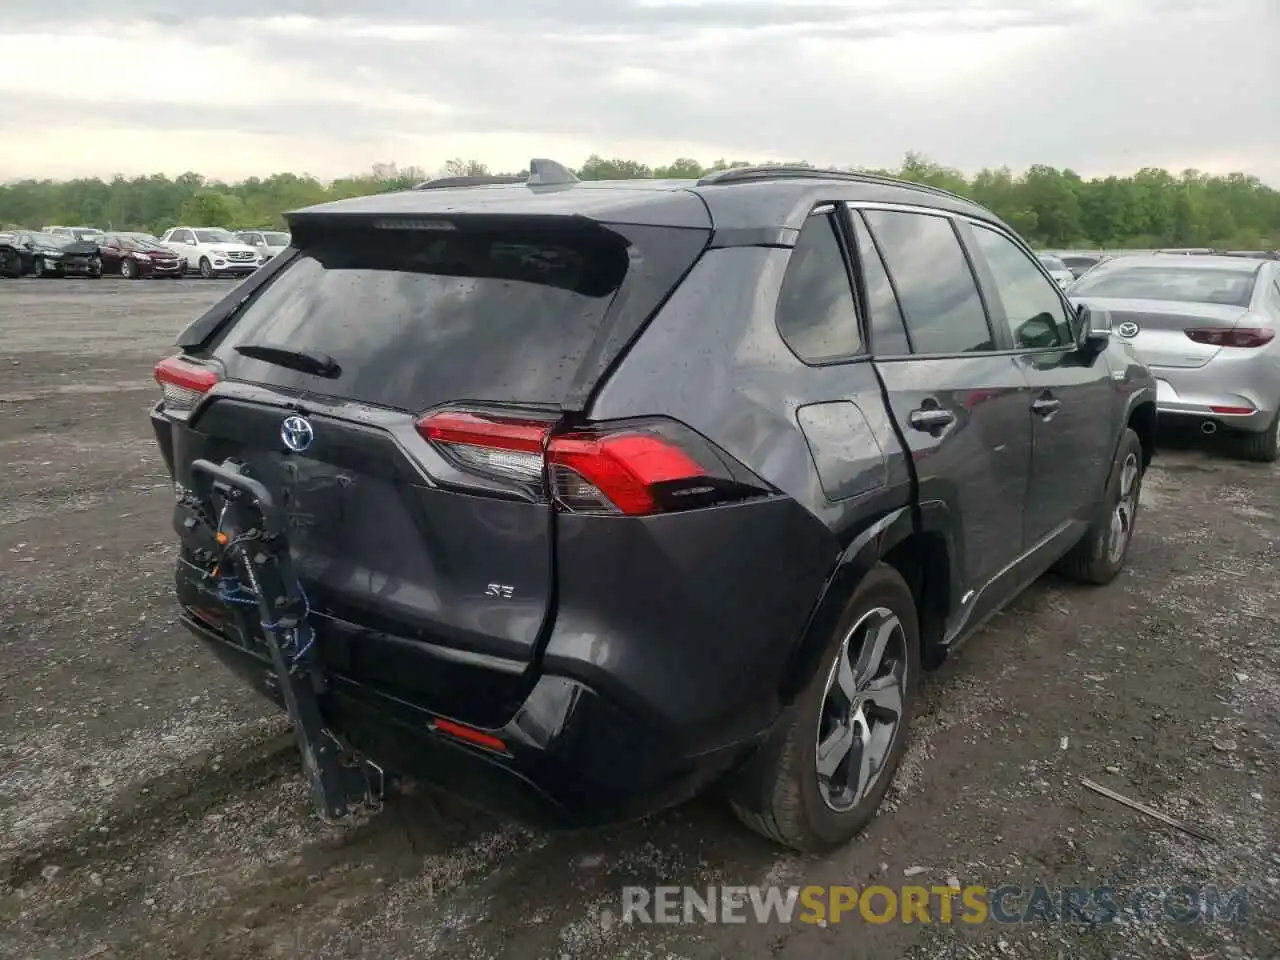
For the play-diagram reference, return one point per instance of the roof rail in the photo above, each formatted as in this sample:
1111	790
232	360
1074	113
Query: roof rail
476	181
784	172
542	173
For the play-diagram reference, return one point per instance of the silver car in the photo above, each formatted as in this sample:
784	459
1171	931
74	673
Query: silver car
1206	326
1060	272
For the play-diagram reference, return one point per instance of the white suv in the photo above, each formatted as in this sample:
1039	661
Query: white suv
212	251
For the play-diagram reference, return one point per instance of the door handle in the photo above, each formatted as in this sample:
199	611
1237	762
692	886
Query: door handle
1045	406
931	418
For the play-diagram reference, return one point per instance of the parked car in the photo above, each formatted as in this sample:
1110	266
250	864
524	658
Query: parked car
1060	272
1206	326
132	257
268	243
1081	263
1254	254
577	501
51	255
212	251
92	234
1187	251
10	258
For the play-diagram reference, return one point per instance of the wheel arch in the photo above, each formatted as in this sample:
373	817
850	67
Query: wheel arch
915	542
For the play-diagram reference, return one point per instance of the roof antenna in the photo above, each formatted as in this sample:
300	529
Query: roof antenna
548	173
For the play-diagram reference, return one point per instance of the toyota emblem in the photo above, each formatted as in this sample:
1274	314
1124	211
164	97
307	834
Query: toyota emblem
296	433
1128	329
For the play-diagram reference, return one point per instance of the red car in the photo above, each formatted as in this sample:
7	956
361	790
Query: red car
134	255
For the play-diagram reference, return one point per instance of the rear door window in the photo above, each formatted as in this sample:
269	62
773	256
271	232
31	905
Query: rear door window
936	288
888	332
418	318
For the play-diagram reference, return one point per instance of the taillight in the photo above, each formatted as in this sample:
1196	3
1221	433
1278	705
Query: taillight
1237	337
632	469
183	383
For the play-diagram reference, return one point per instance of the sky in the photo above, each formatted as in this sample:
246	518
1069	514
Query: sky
328	88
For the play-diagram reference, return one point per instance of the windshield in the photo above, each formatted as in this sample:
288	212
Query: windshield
49	239
277	239
88	234
1052	263
215	236
1232	288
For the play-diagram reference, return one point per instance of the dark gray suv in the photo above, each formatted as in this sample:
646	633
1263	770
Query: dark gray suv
577	498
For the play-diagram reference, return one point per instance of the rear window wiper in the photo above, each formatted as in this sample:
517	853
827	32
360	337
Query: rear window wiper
319	364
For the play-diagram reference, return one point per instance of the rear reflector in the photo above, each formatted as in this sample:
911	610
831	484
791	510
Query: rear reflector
1237	337
469	734
183	383
1232	411
631	469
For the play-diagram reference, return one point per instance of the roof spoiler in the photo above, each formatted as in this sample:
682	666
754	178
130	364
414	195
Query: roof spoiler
542	173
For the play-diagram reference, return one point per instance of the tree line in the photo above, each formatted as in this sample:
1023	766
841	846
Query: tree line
1048	206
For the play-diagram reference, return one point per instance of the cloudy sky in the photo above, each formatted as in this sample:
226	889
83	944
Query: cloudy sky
328	87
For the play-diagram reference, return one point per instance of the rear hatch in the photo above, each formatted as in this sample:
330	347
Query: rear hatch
369	331
1158	329
1177	312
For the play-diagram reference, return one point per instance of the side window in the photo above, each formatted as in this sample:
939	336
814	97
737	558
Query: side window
181	236
939	297
1275	295
1033	309
816	315
888	333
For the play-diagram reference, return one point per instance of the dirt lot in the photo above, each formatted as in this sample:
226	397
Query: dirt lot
151	808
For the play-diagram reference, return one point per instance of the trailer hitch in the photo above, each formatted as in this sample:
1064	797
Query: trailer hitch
253	557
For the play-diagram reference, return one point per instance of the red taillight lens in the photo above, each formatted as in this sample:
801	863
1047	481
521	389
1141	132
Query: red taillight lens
634	469
1232	411
496	447
1237	337
183	383
618	473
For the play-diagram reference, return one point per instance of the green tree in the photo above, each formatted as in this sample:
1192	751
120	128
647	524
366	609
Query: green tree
1046	205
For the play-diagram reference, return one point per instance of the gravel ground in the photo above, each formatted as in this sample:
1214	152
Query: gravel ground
150	807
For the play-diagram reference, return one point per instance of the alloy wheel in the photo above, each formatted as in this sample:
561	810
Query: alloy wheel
862	709
1126	509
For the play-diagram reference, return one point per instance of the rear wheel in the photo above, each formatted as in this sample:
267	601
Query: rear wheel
95	269
1261	447
1100	555
822	781
206	268
38	267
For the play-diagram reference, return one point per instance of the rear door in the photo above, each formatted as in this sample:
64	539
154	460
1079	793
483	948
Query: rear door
961	405
447	542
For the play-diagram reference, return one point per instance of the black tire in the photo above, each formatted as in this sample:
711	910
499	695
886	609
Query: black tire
128	269
95	270
1261	447
206	268
1099	557
38	267
779	794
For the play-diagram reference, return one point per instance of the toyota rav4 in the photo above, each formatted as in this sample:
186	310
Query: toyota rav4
576	498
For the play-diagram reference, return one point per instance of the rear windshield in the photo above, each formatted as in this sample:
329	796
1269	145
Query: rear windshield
1231	288
1052	263
416	318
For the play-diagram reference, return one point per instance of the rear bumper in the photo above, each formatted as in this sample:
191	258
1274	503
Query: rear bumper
575	757
1238	394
